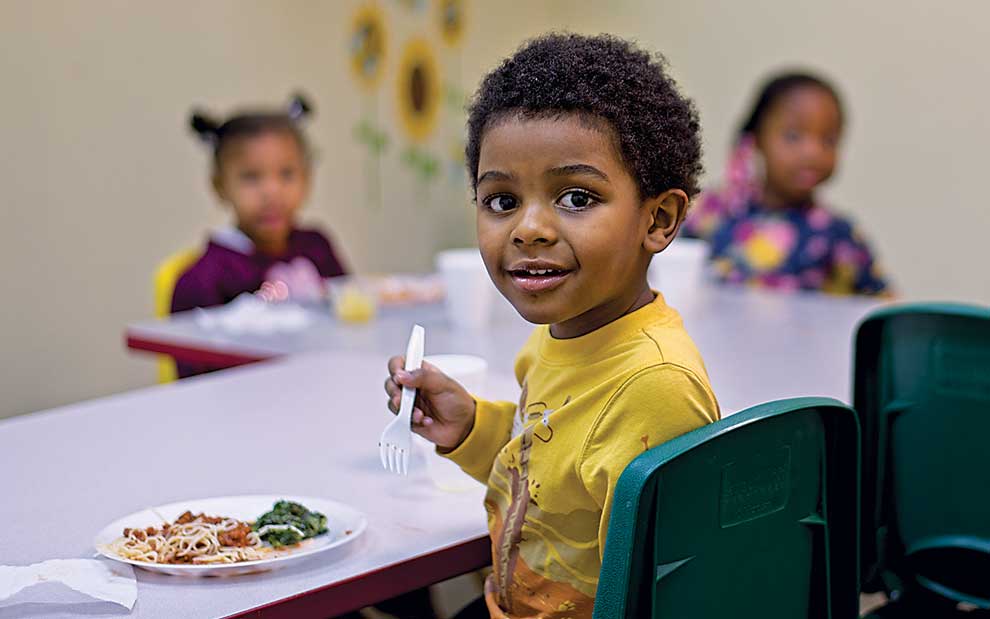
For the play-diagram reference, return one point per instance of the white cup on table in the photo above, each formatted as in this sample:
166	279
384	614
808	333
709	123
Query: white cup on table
680	269
471	372
469	292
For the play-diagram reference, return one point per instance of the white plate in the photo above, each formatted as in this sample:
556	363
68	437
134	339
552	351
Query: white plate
344	523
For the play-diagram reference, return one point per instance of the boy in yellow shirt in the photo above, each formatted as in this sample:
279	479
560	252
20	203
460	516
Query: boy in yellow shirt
583	156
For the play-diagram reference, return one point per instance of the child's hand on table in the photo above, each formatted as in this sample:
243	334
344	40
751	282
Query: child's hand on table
444	410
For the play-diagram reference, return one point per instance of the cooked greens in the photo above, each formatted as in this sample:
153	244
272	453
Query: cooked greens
289	523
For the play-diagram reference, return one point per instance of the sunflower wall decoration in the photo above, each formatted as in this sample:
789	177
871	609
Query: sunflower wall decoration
451	13
418	89
425	71
451	23
418	99
367	45
367	50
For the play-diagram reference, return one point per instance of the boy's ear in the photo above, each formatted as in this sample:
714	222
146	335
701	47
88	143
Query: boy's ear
666	212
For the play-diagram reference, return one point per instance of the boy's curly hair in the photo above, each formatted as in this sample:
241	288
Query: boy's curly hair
599	78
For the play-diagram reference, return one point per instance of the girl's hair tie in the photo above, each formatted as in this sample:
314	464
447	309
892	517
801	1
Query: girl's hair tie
205	127
299	108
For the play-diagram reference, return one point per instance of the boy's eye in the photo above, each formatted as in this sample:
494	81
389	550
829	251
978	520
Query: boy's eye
288	174
577	200
791	136
250	176
501	203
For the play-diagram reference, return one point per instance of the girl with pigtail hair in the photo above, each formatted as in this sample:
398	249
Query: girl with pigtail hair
261	169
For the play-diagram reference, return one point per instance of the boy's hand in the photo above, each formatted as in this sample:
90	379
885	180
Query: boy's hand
444	410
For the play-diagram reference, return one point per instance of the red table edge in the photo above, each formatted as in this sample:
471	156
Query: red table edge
384	583
192	354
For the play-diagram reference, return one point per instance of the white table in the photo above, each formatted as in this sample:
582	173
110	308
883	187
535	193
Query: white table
302	426
757	345
66	473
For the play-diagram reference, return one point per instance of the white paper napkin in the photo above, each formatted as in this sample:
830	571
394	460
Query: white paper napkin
104	580
249	314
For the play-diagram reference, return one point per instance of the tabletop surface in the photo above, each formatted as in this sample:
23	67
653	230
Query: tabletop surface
308	424
305	426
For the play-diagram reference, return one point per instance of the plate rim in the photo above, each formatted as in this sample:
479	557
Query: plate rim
192	568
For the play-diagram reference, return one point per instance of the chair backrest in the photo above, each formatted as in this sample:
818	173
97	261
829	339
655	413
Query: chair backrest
752	516
166	276
922	391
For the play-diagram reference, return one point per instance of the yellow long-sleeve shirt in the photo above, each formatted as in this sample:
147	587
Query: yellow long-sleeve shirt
589	405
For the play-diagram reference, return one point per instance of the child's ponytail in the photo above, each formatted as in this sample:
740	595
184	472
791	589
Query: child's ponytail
206	128
299	108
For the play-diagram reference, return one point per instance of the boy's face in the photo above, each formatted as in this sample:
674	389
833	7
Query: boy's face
560	224
265	180
799	140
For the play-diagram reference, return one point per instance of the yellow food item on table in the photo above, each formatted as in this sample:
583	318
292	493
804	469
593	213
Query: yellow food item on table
353	305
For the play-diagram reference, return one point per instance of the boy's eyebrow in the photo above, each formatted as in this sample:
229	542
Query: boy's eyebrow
494	175
578	169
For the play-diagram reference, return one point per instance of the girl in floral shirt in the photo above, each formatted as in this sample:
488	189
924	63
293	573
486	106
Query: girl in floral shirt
765	226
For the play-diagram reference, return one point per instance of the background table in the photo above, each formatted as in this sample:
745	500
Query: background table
757	345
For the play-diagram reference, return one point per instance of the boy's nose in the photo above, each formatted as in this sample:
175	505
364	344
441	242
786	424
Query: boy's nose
535	226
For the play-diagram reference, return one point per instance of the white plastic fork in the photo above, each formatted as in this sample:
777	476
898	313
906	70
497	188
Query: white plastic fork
396	441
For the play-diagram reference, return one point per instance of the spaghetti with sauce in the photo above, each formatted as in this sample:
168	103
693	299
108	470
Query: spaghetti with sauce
192	539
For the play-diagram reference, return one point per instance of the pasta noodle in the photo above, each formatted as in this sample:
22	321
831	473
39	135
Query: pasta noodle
192	539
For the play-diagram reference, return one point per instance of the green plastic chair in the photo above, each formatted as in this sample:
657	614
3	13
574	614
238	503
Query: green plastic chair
922	391
755	515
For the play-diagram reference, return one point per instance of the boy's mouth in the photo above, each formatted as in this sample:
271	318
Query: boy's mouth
538	277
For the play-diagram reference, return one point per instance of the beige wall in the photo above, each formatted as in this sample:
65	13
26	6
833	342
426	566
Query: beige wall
916	80
101	180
